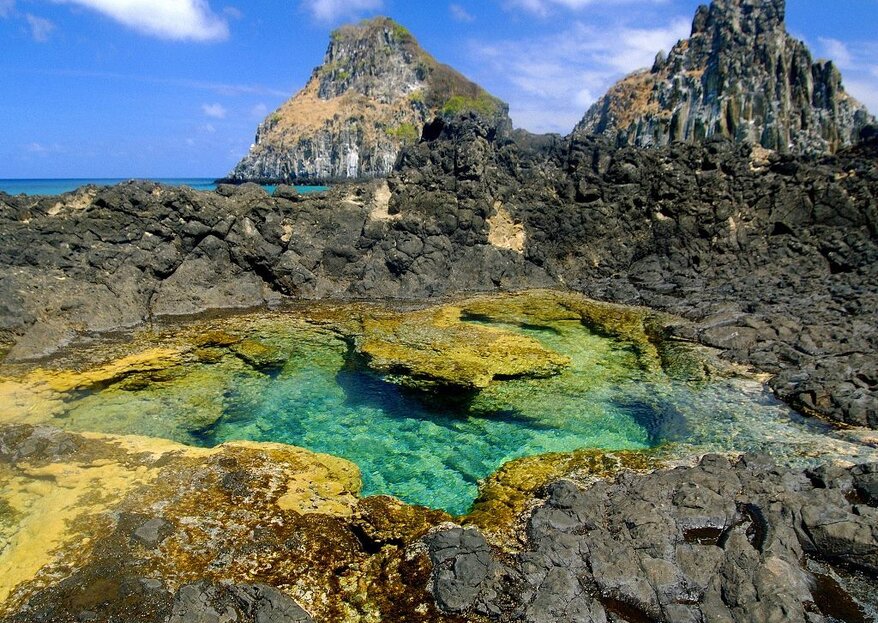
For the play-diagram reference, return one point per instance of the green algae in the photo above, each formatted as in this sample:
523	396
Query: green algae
434	350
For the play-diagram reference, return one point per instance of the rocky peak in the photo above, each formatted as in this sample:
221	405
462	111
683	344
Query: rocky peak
747	17
371	96
740	75
377	58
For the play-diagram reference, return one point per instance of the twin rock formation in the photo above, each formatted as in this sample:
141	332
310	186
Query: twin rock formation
740	75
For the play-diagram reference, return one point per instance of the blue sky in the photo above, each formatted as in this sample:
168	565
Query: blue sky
176	88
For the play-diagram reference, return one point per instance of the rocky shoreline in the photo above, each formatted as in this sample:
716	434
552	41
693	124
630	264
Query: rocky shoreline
768	257
254	532
772	258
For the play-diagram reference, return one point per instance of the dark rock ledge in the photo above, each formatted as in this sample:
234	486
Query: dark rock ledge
719	542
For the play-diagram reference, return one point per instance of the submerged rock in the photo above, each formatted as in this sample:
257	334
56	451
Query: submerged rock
433	349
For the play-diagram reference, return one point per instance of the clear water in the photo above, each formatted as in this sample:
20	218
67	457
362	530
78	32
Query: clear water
61	186
434	452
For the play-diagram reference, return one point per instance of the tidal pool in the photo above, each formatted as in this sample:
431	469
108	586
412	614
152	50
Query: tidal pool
291	378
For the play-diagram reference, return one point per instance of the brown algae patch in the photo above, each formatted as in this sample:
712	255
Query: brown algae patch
102	511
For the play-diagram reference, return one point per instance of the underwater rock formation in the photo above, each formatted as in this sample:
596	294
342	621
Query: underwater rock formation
433	350
738	76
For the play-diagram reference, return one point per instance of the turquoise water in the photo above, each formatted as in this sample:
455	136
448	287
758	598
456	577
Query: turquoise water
61	186
432	452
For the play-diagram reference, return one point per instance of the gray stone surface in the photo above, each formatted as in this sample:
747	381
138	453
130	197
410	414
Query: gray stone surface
229	603
716	542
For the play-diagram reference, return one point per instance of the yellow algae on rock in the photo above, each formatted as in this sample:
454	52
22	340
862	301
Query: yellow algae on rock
434	348
639	328
63	494
504	496
47	501
315	483
70	380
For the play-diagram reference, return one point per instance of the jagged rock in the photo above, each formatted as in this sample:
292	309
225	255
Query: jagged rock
228	603
373	93
715	542
739	76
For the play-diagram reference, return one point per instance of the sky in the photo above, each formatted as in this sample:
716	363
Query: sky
176	88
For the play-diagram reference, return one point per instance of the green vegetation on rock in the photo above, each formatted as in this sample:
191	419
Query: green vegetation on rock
400	32
484	104
406	132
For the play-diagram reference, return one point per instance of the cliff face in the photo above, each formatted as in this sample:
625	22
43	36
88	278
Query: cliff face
374	91
739	76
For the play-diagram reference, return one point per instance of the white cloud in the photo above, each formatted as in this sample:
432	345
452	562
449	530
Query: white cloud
556	78
215	111
6	7
856	59
233	12
460	14
545	7
332	10
41	149
865	92
181	20
40	27
837	52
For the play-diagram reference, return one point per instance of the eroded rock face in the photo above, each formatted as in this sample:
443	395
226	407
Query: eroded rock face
738	76
716	542
374	91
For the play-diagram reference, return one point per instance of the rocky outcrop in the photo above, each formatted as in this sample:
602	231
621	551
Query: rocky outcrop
716	542
738	76
374	91
100	528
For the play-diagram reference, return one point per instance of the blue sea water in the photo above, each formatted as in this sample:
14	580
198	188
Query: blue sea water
61	186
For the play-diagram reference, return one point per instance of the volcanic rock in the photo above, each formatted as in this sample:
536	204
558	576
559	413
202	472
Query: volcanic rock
371	96
740	75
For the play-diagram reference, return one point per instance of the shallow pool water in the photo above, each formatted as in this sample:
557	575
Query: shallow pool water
433	450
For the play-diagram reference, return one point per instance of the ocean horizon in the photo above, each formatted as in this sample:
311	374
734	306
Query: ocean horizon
59	186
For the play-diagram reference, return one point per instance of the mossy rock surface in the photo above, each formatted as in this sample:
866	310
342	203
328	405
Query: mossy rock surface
260	355
506	494
434	349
